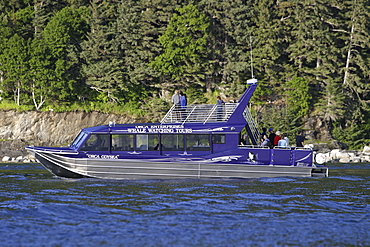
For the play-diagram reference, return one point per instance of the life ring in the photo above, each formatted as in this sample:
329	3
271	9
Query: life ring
320	158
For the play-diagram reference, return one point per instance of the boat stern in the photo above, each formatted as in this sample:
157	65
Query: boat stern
320	171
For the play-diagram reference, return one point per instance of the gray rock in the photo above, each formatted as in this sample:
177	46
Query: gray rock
338	145
6	159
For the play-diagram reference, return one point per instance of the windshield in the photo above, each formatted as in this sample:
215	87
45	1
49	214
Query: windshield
78	140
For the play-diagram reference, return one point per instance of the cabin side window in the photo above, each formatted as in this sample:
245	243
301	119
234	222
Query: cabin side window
218	139
122	142
147	142
172	142
197	142
96	142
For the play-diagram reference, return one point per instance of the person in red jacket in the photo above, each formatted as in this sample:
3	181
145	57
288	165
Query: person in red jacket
277	138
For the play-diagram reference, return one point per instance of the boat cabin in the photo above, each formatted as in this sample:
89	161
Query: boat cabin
155	139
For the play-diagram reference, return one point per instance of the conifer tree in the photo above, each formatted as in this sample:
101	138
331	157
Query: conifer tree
313	52
268	43
154	18
103	65
268	48
63	35
230	44
356	39
298	99
330	105
13	66
41	74
184	42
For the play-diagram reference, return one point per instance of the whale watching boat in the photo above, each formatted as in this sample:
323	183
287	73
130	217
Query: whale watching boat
200	141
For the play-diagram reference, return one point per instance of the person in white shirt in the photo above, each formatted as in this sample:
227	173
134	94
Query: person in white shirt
284	141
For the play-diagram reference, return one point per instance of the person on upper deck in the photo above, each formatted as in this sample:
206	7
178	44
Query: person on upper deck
183	103
219	103
176	100
183	100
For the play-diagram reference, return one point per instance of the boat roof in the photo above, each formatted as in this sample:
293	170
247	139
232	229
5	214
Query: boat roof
157	128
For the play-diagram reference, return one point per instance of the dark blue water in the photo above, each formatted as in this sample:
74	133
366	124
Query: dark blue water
37	209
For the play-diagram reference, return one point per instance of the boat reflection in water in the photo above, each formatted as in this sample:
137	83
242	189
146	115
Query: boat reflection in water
201	141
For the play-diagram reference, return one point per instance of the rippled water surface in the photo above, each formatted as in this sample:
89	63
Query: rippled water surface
37	209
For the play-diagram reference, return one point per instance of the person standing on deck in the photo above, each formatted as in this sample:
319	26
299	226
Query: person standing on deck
266	142
264	130
244	140
284	141
176	100
277	138
299	139
272	135
285	137
220	105
183	104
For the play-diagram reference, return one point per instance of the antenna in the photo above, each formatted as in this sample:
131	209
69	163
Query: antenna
253	80
250	40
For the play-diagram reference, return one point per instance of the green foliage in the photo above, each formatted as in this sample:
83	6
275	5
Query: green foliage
132	108
331	103
22	22
184	45
10	105
62	36
298	97
195	95
354	136
13	64
261	95
154	109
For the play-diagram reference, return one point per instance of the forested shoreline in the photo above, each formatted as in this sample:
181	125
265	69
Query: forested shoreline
124	56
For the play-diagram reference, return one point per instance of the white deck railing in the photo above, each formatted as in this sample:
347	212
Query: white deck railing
252	125
199	113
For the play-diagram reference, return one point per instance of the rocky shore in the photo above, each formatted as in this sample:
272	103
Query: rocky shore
341	155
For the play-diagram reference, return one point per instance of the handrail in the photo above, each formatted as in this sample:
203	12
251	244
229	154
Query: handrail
202	113
168	113
251	125
213	109
188	115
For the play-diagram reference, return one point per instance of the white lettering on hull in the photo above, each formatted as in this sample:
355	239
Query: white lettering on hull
103	156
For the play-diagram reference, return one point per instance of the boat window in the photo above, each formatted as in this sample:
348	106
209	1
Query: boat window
173	142
122	142
78	140
147	142
218	139
197	142
97	142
